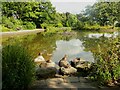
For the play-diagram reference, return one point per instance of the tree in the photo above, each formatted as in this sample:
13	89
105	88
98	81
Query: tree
103	12
37	12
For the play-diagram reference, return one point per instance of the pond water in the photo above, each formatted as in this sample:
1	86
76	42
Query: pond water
79	44
73	48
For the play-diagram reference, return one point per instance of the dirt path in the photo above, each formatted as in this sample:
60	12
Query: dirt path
20	32
67	83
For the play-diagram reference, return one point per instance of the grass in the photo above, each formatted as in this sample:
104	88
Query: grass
17	67
53	30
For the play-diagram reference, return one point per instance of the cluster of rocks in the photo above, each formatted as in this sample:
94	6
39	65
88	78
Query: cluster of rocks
48	69
48	73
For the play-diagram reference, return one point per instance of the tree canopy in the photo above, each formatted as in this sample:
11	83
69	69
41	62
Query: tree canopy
42	14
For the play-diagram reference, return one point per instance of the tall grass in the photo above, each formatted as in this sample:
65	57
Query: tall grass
17	67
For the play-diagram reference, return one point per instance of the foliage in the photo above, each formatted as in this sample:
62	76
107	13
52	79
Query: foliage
11	24
17	67
93	27
37	12
59	25
29	25
79	25
100	14
104	13
117	25
43	14
52	30
108	63
5	29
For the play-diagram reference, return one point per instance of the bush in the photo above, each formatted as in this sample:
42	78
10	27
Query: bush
108	63
17	67
79	25
16	24
29	25
11	24
59	25
5	29
93	27
117	24
46	25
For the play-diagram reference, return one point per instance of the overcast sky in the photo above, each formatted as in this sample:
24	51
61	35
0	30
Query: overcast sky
72	6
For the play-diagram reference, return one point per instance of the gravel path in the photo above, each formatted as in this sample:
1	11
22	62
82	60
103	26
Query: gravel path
20	32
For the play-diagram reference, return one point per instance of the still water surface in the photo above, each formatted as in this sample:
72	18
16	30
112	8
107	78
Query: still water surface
80	44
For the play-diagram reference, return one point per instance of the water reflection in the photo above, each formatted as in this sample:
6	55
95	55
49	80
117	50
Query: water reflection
73	48
98	35
83	44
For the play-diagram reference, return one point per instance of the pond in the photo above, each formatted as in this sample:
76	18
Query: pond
55	46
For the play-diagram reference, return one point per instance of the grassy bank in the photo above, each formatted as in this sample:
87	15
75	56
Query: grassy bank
53	30
97	28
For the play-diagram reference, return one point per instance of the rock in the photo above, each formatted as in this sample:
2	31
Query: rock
68	71
42	64
50	64
43	73
84	64
111	84
39	59
84	68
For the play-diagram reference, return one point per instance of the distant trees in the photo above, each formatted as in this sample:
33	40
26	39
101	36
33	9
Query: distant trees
37	12
103	13
42	14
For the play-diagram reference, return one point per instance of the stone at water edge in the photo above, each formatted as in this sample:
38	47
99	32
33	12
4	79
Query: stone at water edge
43	73
84	64
67	71
51	64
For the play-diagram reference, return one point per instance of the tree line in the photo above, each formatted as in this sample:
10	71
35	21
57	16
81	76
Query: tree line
30	15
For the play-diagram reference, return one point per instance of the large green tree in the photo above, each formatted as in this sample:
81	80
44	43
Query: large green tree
103	12
37	12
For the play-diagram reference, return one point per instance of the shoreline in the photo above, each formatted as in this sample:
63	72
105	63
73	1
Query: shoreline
20	32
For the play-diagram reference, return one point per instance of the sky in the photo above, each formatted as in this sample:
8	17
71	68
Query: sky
72	6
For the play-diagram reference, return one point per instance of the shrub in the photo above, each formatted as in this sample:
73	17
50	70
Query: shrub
79	25
108	63
91	27
29	25
117	24
44	25
17	67
59	25
5	29
11	24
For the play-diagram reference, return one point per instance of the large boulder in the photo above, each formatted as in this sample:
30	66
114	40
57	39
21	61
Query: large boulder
44	73
84	68
84	65
67	71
